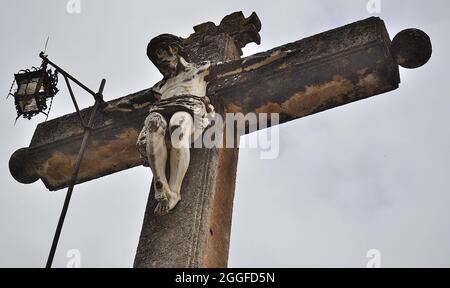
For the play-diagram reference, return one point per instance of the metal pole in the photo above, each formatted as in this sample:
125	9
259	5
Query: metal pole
74	101
44	57
87	133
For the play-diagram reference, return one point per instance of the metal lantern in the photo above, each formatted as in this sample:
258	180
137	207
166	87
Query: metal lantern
34	87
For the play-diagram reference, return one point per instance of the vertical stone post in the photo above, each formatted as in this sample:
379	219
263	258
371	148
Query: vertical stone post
197	232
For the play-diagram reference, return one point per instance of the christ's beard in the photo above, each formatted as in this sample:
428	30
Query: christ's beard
170	69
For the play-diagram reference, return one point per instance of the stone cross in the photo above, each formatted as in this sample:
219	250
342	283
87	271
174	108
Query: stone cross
295	80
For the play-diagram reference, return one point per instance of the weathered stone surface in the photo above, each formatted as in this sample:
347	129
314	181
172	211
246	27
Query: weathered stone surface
196	233
297	79
311	75
111	148
411	48
242	30
22	173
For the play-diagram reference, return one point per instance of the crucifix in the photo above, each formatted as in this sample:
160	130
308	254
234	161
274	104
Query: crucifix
295	80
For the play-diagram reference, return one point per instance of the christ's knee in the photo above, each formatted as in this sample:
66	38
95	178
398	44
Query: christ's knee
155	124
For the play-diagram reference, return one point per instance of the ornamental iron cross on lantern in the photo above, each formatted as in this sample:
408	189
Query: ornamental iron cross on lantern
295	80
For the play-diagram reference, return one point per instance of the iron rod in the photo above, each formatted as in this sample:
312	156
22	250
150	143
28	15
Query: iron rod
87	133
74	101
45	58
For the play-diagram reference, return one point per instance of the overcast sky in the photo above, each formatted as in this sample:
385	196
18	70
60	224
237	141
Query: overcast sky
370	175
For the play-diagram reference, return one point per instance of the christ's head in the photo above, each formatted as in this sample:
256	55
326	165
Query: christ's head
165	51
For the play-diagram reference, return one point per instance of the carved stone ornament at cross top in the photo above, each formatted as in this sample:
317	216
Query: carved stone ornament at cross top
298	79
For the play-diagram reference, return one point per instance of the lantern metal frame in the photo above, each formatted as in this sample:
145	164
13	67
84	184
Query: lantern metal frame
44	89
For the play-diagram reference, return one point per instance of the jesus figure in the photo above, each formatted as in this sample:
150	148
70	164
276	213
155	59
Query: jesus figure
173	121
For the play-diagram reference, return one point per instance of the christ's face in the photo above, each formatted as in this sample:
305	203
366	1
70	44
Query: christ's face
167	60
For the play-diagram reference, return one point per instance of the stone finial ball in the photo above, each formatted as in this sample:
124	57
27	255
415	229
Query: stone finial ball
411	48
21	168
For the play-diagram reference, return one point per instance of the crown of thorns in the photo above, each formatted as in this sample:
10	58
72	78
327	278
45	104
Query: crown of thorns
164	41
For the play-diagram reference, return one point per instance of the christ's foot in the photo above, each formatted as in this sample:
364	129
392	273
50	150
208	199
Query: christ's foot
168	203
166	199
161	191
174	198
162	208
161	196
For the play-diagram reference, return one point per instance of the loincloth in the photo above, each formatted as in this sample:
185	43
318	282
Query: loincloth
194	105
197	107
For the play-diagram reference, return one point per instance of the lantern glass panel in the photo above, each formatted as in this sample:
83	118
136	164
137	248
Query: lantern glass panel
26	94
22	88
29	105
31	88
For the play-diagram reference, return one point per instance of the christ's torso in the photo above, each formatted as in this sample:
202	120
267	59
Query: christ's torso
191	81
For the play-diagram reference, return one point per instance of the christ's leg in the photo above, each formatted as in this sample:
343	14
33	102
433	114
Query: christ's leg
181	126
156	149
